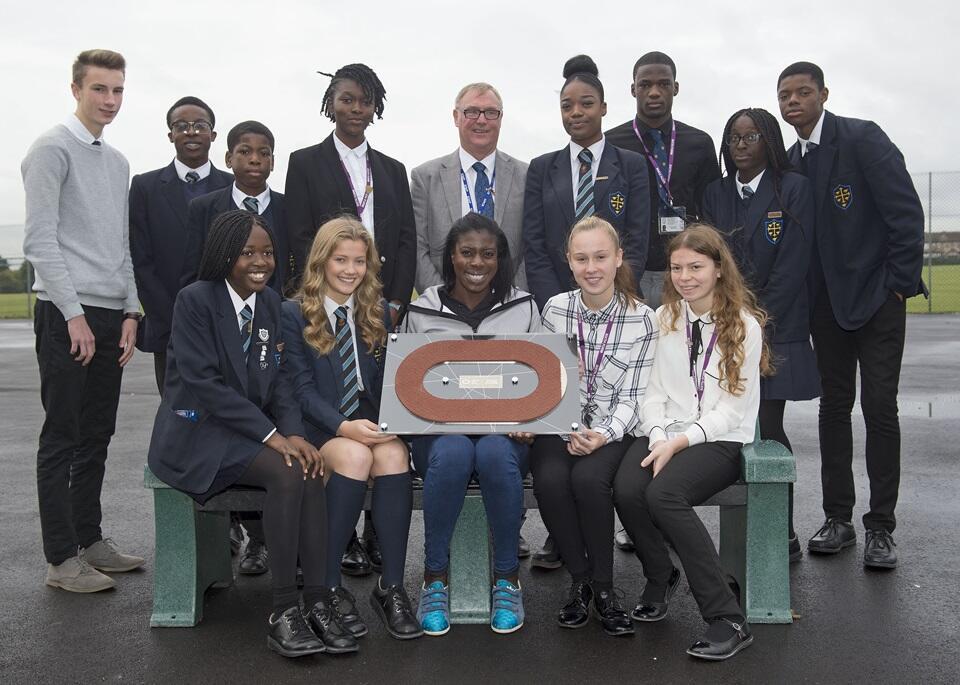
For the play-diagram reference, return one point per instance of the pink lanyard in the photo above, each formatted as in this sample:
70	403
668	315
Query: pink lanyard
592	373
361	205
665	182
698	383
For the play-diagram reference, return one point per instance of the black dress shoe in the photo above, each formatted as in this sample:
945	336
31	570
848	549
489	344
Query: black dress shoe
833	536
326	625
393	607
254	559
611	614
793	549
623	541
371	545
576	612
879	550
290	635
714	649
548	558
345	605
354	561
236	536
523	548
657	611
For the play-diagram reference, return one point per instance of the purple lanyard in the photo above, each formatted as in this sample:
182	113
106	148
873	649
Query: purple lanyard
592	373
366	193
698	383
481	201
665	182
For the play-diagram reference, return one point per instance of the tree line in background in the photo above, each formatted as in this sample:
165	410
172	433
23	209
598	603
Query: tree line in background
14	280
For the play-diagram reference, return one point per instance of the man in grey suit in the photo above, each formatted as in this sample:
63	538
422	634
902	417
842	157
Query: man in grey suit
476	177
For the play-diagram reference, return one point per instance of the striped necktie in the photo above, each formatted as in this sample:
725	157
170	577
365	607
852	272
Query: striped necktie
251	205
584	203
192	177
246	328
350	399
747	192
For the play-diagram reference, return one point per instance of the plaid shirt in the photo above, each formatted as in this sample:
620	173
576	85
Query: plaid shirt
627	359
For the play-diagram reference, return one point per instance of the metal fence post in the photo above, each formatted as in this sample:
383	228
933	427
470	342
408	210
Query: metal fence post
930	240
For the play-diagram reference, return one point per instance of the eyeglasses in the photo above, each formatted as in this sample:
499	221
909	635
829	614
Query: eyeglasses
488	114
199	126
750	139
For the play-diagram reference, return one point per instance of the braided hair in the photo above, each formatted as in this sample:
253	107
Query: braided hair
227	237
363	76
582	68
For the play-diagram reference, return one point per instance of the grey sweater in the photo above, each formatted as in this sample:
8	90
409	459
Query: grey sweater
518	314
76	232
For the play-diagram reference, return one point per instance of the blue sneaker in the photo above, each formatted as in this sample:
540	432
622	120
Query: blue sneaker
434	610
506	607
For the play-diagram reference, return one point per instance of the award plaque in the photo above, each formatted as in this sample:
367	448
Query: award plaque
448	383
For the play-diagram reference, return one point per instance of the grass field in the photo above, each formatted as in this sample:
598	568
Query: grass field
944	295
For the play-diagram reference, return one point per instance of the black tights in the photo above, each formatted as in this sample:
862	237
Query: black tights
771	428
294	523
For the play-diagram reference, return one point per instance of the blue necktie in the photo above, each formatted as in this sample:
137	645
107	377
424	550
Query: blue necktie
660	155
484	197
251	205
246	328
350	399
584	203
192	177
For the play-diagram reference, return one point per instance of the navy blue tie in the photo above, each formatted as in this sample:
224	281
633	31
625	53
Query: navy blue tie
484	199
350	399
246	328
584	204
251	204
660	155
192	177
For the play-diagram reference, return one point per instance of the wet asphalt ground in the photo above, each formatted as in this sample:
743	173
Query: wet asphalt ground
853	625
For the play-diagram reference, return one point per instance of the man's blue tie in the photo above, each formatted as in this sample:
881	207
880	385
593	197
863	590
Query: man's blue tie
350	399
484	198
660	155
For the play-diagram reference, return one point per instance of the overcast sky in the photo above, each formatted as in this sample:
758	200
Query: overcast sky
257	60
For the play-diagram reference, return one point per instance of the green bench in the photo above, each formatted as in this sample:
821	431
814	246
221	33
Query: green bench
193	551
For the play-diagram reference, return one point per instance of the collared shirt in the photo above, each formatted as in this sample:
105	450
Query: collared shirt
355	161
814	135
466	163
753	184
671	403
238	305
263	199
331	306
597	150
182	169
627	360
79	131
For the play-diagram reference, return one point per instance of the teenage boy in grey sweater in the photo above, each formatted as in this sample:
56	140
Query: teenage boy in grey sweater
85	319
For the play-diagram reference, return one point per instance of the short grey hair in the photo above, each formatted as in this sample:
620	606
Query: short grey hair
481	88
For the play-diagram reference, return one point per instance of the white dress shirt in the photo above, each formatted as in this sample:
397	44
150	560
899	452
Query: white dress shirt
597	150
331	306
466	163
182	169
753	184
814	135
355	161
263	199
79	131
238	305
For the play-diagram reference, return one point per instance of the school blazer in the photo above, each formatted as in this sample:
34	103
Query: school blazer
231	405
317	190
315	379
869	220
206	208
158	234
773	246
548	214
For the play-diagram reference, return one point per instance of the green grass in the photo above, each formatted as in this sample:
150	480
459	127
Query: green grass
944	284
15	306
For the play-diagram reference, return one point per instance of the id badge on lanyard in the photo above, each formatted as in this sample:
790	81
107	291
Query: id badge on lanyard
673	219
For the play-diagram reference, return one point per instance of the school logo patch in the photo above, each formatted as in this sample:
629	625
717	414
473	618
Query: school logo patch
263	334
843	196
774	229
617	203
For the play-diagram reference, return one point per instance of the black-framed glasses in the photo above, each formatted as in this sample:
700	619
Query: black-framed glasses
488	114
198	126
750	139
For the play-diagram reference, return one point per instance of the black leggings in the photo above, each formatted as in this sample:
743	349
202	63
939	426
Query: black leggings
771	428
294	523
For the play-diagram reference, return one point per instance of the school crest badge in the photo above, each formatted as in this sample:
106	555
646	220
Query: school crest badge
843	196
617	203
774	229
263	334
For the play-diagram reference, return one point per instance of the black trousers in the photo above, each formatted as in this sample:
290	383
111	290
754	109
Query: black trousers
160	369
80	405
654	510
575	495
878	349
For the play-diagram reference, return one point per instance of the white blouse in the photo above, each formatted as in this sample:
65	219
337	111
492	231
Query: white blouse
670	403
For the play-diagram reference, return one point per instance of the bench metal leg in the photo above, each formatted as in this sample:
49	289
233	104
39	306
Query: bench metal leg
470	565
192	553
733	544
767	589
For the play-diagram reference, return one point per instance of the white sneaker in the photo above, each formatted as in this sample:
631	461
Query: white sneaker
103	555
76	575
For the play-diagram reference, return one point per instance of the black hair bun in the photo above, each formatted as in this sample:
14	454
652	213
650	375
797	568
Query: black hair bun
579	65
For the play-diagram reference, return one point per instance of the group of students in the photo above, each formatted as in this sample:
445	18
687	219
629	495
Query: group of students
284	394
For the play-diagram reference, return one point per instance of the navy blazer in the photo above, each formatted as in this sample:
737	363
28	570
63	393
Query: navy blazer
317	191
206	208
548	214
226	406
773	243
316	379
158	234
869	220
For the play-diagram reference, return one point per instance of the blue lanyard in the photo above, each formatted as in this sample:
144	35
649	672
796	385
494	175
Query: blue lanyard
481	201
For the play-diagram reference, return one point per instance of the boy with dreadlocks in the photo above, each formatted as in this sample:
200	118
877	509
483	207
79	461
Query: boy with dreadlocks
765	212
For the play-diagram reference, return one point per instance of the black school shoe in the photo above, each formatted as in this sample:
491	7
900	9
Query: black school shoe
254	559
393	607
793	549
290	636
371	546
576	612
715	646
622	540
345	605
354	561
832	537
326	625
879	550
548	558
612	617
657	611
